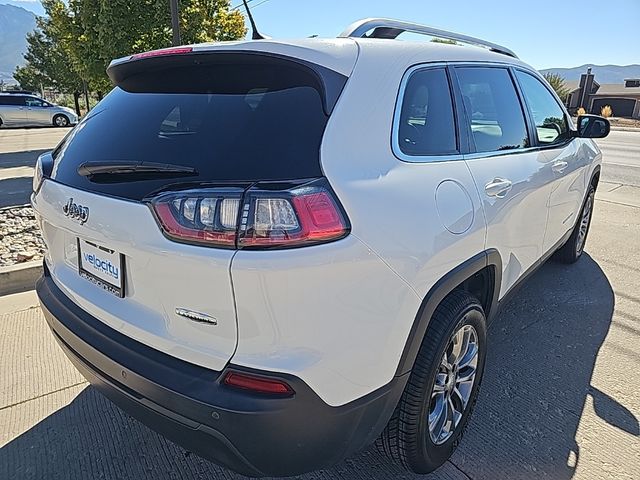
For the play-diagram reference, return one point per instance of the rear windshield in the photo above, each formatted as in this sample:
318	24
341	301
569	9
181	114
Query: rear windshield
230	122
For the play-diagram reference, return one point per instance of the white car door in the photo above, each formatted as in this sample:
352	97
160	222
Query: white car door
513	179
562	151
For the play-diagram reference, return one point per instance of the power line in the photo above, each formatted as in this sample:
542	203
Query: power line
248	3
240	4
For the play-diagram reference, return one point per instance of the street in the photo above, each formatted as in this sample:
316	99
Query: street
560	398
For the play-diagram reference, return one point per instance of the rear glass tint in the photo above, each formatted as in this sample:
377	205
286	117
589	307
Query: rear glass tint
11	100
426	124
233	122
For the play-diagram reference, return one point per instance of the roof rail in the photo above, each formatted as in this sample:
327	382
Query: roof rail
388	28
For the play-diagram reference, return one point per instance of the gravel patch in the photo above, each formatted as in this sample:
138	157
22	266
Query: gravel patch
20	239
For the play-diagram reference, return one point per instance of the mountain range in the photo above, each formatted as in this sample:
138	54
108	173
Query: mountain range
15	23
603	73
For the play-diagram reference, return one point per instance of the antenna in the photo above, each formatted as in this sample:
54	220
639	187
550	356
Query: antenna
255	34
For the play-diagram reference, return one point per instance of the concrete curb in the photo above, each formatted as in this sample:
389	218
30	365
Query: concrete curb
20	277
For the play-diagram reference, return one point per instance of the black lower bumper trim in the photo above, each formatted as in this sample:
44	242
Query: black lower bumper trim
252	434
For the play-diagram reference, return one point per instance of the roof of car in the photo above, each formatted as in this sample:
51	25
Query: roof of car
340	54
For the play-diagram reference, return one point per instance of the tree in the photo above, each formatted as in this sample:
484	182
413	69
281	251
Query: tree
558	84
94	32
446	41
77	39
47	63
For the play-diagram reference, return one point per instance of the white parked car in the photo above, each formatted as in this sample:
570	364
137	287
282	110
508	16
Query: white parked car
23	110
278	252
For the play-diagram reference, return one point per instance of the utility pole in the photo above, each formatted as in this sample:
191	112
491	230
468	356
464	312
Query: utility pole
175	22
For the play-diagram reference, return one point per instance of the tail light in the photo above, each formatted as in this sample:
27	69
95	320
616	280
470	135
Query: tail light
258	218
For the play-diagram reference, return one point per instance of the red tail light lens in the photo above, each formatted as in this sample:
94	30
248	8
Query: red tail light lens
257	384
207	217
256	218
297	217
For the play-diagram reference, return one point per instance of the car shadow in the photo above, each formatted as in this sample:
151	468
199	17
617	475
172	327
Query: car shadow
21	159
15	191
543	348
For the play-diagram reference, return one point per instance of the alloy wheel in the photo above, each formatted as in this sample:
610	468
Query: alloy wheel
453	384
584	224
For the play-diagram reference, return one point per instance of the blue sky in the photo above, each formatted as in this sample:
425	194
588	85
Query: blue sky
544	33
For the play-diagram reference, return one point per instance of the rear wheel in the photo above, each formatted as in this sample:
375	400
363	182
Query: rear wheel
443	386
572	250
61	121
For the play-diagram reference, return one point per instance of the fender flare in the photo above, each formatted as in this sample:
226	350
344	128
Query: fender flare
439	291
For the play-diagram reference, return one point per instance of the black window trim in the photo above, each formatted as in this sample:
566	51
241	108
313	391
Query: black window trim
461	136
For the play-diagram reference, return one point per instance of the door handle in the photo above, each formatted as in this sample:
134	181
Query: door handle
559	166
498	187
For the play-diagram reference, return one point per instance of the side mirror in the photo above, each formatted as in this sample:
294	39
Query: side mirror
593	126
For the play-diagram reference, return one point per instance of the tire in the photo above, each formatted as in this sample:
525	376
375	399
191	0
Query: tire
61	120
572	250
408	437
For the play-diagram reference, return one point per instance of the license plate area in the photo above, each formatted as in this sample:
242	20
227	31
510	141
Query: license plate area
102	266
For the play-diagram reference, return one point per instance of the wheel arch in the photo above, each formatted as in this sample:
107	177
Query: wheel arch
481	275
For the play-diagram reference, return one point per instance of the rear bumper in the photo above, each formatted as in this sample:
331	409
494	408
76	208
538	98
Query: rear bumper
250	433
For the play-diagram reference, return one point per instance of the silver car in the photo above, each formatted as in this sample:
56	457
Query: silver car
21	110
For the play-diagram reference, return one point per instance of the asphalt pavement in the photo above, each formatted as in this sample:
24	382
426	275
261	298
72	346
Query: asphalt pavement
19	150
560	398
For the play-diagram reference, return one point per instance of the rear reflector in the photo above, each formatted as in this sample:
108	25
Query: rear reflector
257	384
160	53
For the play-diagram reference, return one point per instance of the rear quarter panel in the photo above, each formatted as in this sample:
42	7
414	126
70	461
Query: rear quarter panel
339	315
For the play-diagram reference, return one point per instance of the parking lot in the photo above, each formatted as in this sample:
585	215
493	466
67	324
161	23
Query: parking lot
560	398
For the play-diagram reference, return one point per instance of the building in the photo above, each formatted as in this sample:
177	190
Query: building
623	98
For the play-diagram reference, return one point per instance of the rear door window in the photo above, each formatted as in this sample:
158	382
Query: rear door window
17	100
494	112
426	123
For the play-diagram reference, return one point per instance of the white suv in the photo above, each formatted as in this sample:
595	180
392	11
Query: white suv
275	253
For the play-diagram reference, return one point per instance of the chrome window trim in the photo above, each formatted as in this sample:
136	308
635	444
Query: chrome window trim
500	153
395	130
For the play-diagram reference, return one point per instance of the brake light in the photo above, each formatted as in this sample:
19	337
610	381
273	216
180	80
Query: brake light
300	217
162	52
257	219
257	384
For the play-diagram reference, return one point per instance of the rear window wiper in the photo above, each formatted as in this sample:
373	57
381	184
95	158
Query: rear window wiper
133	167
